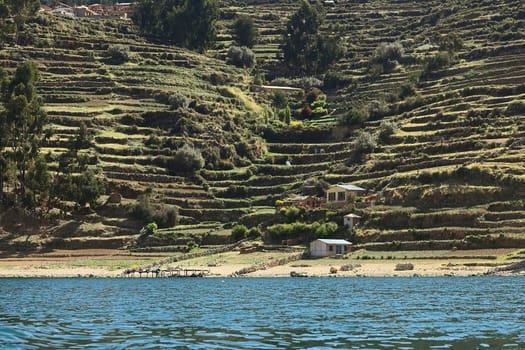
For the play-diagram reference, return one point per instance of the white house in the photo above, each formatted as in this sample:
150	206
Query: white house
351	220
329	247
66	11
339	194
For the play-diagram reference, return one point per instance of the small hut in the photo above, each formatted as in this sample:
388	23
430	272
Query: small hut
351	220
329	247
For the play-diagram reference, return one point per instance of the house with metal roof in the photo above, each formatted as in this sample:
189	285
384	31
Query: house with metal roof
329	247
338	195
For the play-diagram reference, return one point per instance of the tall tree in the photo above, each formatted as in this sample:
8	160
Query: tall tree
304	47
244	31
23	120
75	180
39	180
15	13
187	23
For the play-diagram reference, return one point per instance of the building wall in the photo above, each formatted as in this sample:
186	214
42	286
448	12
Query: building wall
335	191
318	249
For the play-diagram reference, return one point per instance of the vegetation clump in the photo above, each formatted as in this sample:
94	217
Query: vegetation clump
304	47
22	124
241	56
244	31
187	23
388	55
118	54
186	160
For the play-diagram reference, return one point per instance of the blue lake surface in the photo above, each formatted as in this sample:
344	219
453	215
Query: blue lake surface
263	313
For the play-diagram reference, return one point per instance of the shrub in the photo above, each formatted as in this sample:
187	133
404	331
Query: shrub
326	229
150	229
515	107
186	160
308	82
306	111
450	43
407	89
303	82
386	129
334	80
241	56
431	64
279	100
377	109
118	54
364	143
312	95
285	115
319	112
388	55
292	213
356	115
178	100
144	211
239	232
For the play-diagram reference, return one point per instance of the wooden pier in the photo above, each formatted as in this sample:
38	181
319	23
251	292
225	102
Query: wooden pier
165	273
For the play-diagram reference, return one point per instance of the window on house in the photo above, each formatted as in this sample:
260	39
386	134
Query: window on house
330	248
331	196
341	196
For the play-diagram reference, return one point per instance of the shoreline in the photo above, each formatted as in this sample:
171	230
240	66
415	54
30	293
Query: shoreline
114	263
374	269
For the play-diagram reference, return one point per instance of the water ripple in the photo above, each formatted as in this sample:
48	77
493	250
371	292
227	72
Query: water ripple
313	313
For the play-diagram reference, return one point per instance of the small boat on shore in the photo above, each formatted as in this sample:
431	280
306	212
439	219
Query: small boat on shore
298	274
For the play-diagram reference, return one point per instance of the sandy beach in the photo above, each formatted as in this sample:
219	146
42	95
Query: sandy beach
108	264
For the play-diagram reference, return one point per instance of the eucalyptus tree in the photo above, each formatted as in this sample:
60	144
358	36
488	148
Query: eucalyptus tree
22	122
14	14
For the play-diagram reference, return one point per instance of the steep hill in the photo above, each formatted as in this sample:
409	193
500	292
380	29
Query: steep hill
451	173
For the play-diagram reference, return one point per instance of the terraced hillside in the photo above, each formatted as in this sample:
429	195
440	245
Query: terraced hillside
451	173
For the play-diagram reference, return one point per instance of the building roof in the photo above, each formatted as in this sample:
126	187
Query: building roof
335	241
351	215
350	187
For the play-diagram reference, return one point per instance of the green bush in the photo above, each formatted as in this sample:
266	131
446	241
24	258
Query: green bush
388	55
241	56
364	143
186	160
239	232
335	80
377	109
150	229
293	213
118	54
319	112
386	129
356	115
144	211
436	62
326	230
177	100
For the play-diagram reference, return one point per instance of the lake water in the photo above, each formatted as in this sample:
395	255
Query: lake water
263	313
